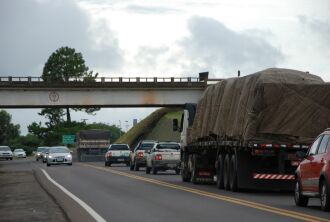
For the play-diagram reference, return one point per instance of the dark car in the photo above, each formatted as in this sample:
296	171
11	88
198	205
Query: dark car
138	156
313	173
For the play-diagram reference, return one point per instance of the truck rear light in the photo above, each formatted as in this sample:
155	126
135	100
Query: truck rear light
263	145
276	145
158	157
140	154
204	173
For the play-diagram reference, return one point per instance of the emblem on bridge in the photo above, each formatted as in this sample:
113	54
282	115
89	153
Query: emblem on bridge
54	96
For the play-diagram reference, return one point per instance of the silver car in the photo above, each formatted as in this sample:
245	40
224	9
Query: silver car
19	153
41	153
58	155
6	153
163	156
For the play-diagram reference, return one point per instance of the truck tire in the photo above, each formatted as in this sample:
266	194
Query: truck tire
154	170
220	164
226	172
233	174
194	171
131	166
147	170
136	167
185	175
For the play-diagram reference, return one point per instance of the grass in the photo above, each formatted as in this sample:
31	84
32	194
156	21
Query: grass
157	126
163	129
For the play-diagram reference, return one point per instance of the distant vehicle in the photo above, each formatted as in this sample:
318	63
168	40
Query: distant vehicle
20	153
92	144
6	153
163	156
137	157
58	155
44	154
40	150
313	173
117	153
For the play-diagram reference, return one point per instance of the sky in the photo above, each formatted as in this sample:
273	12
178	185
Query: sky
163	38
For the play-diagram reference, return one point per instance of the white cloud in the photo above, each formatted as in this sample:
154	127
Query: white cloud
32	30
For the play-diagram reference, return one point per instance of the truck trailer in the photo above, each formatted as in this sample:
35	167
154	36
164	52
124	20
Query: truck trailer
92	145
245	132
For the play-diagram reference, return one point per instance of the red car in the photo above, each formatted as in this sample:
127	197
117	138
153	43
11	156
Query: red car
313	173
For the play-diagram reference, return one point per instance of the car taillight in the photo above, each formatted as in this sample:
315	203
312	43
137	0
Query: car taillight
140	154
109	154
158	157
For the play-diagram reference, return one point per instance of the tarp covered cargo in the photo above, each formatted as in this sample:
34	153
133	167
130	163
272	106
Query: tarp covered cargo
94	135
274	105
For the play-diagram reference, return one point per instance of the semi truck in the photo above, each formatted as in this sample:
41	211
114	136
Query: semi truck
244	132
92	144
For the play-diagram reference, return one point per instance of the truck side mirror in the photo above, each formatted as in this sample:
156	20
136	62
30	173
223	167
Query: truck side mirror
175	125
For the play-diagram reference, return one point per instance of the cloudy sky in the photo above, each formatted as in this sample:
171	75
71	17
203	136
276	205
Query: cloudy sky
163	38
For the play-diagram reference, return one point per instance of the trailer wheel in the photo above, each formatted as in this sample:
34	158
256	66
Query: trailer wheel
131	166
233	174
194	170
226	172
136	166
185	175
148	170
220	172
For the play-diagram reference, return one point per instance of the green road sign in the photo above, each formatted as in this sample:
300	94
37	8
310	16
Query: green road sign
68	139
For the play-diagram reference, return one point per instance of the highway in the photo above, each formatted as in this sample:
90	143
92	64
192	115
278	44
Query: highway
117	194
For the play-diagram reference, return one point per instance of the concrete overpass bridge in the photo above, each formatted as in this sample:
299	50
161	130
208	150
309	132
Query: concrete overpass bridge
32	92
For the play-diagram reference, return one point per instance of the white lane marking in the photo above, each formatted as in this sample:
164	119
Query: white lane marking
92	212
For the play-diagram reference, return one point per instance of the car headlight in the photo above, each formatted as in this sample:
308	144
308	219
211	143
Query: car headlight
38	154
50	156
69	156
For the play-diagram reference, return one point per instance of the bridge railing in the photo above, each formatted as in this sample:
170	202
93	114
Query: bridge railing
30	79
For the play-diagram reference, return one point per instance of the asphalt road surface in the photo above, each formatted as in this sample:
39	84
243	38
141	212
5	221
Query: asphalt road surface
117	194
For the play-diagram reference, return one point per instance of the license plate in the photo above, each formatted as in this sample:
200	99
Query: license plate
59	159
120	159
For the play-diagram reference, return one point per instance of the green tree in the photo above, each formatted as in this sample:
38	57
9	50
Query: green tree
8	130
63	65
29	143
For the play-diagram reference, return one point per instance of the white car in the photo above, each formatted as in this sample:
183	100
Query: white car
163	156
58	155
6	153
117	153
41	152
20	153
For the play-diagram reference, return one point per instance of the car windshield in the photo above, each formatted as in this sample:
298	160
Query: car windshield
4	148
59	150
41	149
146	146
19	150
168	146
118	147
